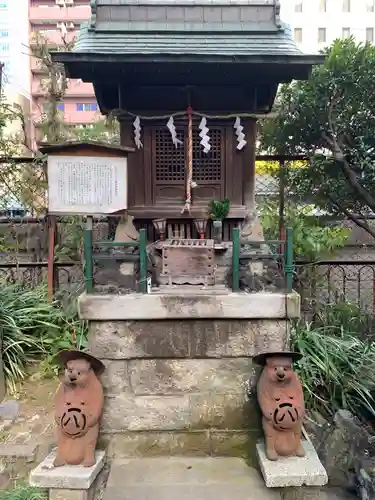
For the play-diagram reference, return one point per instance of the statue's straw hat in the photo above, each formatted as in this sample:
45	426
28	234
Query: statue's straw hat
67	355
260	359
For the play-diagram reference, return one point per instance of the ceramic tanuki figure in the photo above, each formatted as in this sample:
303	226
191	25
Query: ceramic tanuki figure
281	401
78	407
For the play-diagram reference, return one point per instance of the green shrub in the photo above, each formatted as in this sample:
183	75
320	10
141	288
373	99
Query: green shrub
32	329
24	493
338	366
349	317
313	238
219	209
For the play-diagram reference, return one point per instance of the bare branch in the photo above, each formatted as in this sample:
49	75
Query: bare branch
363	224
336	147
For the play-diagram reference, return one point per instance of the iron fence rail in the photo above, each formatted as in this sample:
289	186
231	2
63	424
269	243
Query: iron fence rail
336	281
326	281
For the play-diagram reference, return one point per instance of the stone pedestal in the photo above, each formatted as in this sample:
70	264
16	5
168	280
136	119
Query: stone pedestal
289	472
68	482
179	369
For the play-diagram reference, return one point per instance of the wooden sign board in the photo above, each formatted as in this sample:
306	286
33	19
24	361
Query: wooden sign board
86	185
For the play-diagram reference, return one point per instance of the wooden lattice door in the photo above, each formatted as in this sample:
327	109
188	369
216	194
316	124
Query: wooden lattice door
169	171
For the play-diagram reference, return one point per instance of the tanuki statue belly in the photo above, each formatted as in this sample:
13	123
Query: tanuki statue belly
78	408
280	397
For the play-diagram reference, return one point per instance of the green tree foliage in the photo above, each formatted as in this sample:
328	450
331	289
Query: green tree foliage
331	119
313	238
26	184
105	130
54	84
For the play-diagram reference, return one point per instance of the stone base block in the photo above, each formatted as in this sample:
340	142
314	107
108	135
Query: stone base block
147	307
315	493
68	477
292	471
60	494
210	442
306	493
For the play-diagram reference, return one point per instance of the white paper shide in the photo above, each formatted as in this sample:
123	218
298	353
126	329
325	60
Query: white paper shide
86	185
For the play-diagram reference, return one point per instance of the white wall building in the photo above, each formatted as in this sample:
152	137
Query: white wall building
316	23
14	38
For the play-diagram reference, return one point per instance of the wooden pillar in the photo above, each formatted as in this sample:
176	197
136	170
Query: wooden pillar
139	177
251	228
248	165
51	255
126	133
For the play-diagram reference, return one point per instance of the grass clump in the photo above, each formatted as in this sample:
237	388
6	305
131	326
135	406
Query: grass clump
24	493
338	366
33	329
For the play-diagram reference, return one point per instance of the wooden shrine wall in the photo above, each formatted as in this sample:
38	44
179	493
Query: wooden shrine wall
157	173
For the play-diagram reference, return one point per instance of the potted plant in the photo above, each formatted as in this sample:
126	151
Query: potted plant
218	210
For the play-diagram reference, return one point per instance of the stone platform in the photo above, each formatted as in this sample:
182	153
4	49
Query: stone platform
186	479
179	369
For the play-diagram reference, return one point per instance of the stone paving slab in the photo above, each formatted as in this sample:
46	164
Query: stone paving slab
26	451
177	478
292	471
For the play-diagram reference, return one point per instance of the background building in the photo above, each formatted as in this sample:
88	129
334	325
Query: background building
57	20
14	56
13	46
316	23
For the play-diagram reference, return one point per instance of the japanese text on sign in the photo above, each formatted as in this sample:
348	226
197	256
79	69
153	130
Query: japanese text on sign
86	185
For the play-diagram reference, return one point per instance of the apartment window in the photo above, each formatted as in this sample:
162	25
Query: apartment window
346	6
370	35
322	35
370	6
4	47
323	5
46	106
298	6
4	33
91	106
298	35
345	32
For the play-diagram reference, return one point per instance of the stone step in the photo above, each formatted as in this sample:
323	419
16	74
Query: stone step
178	478
16	461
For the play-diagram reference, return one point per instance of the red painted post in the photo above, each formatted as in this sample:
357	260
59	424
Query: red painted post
51	255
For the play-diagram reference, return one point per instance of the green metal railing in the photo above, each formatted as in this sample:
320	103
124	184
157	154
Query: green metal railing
89	257
284	254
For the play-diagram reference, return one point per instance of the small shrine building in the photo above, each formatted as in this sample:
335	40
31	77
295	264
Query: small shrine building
187	81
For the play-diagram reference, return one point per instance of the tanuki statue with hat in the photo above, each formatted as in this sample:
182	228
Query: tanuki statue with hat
78	407
280	398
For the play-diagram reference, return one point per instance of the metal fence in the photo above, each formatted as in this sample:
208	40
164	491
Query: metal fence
68	275
24	247
324	282
336	281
